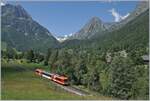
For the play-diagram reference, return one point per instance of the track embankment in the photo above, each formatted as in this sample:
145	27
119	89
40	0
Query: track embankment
72	89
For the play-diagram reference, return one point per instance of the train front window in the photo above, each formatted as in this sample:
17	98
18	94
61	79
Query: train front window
37	71
66	80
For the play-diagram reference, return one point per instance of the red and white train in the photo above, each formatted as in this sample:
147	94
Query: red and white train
51	76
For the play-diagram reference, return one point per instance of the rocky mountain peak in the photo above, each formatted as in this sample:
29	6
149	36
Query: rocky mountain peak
95	20
21	32
93	26
16	11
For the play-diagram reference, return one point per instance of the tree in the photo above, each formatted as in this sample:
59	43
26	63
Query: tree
11	53
136	56
141	85
53	58
80	70
4	54
94	80
49	52
122	77
39	57
30	56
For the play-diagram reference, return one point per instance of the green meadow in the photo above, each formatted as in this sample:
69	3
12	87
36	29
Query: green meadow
20	82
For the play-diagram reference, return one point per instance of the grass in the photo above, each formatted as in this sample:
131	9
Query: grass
18	83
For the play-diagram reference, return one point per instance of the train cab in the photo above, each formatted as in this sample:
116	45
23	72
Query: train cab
39	72
61	79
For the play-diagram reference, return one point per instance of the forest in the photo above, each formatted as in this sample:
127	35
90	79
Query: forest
110	64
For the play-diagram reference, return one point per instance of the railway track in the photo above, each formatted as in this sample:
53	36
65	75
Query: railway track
66	88
72	89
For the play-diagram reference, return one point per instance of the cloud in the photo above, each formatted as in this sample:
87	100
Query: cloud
2	4
117	16
123	17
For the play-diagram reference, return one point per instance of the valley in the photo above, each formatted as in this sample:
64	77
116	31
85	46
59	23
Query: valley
104	59
22	83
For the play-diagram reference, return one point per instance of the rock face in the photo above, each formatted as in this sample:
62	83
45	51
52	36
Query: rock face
20	31
90	29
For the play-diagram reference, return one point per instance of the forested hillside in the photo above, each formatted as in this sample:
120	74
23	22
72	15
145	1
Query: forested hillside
133	35
109	63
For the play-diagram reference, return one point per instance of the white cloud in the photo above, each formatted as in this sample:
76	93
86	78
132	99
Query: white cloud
123	17
117	16
2	4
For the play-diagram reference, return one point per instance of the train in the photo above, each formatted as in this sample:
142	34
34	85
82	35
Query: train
63	80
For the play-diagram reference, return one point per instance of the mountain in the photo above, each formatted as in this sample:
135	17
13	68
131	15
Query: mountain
96	27
20	31
93	26
134	35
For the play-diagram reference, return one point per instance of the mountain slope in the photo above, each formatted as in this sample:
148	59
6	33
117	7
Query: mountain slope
134	35
140	8
20	31
93	26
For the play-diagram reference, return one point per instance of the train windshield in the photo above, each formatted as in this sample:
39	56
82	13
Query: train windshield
66	81
37	71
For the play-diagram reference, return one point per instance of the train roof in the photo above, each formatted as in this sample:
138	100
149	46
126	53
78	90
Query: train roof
56	75
39	69
61	77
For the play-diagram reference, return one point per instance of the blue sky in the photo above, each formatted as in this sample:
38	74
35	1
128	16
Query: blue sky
64	18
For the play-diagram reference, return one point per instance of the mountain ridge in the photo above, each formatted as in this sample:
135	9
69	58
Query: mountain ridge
20	31
89	29
86	33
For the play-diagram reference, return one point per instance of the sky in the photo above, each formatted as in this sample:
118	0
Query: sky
65	18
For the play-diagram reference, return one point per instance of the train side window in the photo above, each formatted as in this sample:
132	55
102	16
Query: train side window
47	74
